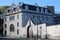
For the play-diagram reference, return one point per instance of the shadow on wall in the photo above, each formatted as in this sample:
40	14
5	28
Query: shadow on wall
47	36
1	27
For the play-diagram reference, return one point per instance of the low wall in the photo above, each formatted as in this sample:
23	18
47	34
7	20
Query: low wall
53	31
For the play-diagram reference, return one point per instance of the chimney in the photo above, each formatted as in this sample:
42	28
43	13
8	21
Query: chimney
50	9
20	3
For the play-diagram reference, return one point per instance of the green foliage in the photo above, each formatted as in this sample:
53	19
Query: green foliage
0	12
3	8
1	25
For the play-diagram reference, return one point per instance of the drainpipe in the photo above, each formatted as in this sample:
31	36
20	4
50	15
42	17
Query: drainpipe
37	29
40	31
46	33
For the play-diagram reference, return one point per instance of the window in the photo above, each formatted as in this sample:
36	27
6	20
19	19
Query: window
20	7
37	9
5	19
11	28
41	17
26	7
17	31
14	9
17	16
11	18
5	25
44	10
17	24
47	18
44	18
5	32
8	10
40	9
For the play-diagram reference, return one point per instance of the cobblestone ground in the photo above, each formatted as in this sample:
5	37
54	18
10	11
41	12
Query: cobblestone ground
25	39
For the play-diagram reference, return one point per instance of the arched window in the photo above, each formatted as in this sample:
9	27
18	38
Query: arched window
11	28
26	7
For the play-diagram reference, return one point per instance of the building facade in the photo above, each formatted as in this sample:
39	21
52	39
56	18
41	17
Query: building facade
23	19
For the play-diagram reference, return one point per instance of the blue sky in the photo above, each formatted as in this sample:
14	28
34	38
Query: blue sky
55	3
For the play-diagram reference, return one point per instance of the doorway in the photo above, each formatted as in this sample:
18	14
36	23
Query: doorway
28	31
5	32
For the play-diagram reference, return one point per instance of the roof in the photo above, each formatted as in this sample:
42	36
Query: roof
31	7
57	15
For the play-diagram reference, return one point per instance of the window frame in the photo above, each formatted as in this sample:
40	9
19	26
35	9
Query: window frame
17	24
5	25
17	31
17	16
12	28
5	19
11	18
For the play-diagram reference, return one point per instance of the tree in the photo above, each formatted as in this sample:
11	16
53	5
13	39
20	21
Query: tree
3	8
1	26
